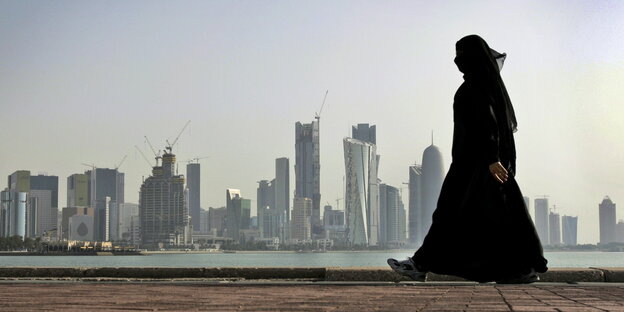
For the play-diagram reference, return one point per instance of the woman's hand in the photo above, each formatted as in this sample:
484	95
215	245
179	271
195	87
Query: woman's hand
499	172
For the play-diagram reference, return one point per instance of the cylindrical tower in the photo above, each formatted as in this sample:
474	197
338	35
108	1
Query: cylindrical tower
432	177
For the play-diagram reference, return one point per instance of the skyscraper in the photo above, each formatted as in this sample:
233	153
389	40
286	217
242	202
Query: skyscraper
78	190
234	213
193	184
569	230
301	229
308	169
281	187
16	201
365	133
606	211
390	216
361	196
554	229
106	186
162	210
416	233
432	177
541	220
265	209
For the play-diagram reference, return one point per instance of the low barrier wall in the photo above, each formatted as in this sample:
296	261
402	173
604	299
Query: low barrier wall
373	274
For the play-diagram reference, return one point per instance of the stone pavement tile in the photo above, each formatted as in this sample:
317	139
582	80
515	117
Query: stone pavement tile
533	308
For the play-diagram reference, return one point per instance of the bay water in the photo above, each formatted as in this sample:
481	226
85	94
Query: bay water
288	259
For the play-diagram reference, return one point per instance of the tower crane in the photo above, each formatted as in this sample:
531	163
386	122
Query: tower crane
317	115
144	157
196	159
169	146
156	154
121	162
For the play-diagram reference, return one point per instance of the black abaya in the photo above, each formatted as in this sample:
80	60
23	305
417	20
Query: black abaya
481	228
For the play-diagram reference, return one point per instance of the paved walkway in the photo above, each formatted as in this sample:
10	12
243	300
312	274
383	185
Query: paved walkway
164	296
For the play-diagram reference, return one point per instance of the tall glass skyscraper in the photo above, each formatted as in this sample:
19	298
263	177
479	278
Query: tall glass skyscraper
361	196
308	168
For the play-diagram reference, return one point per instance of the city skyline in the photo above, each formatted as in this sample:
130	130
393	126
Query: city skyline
85	85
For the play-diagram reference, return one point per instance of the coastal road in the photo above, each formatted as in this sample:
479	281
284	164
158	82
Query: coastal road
20	295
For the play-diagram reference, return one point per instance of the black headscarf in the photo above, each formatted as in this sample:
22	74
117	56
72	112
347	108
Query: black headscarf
482	65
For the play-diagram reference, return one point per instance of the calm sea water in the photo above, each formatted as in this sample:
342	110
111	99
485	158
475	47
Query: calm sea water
330	259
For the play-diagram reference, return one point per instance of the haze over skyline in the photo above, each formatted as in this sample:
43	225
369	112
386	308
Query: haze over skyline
83	82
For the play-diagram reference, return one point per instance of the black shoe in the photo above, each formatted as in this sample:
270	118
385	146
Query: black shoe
407	268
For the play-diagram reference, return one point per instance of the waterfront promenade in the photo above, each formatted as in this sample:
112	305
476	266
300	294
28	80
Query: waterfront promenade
298	289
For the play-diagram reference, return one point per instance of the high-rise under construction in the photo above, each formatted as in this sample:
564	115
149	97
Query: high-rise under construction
162	212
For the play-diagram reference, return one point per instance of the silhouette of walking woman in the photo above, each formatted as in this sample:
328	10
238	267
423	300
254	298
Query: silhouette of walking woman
481	228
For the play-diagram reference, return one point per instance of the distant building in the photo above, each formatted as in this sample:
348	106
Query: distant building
606	211
81	228
265	210
193	184
46	214
78	190
40	215
569	230
432	177
390	216
238	214
69	212
365	133
162	209
416	231
333	219
541	220
362	188
281	187
15	204
126	212
554	229
402	222
204	221
301	229
308	168
106	186
619	231
217	220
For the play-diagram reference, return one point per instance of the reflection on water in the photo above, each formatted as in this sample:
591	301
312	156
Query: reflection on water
330	259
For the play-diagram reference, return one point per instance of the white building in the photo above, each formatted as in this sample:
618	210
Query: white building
361	196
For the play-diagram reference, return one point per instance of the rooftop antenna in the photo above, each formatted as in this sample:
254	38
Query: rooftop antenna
431	137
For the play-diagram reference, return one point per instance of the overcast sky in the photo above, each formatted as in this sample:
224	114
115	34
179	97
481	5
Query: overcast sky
84	81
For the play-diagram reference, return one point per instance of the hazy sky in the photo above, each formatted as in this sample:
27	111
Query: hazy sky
84	81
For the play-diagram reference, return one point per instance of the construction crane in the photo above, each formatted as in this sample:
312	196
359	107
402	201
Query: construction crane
144	157
121	162
93	166
318	114
169	146
156	154
338	203
196	159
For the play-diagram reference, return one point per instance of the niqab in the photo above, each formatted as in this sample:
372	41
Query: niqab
481	64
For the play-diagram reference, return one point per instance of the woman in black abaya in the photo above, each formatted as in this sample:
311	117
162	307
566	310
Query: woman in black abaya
481	228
